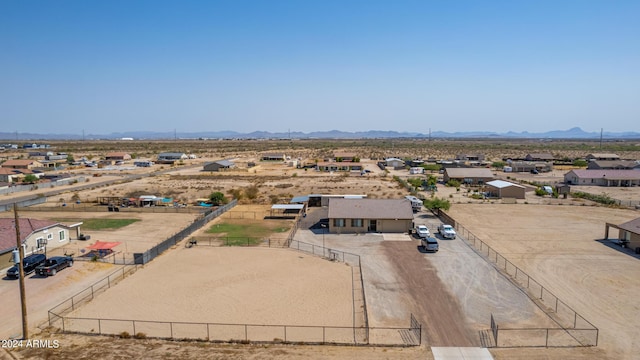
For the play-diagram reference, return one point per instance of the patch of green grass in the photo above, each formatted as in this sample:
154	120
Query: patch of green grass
101	224
245	234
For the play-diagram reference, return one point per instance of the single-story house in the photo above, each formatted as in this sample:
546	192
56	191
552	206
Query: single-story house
273	157
628	233
528	166
394	163
470	157
603	177
602	156
15	175
338	166
35	235
505	189
170	157
472	176
117	156
370	215
343	156
539	157
613	165
22	164
218	165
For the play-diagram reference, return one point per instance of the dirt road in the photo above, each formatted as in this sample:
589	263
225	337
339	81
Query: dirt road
439	312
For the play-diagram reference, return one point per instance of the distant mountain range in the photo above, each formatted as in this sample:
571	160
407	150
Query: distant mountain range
573	133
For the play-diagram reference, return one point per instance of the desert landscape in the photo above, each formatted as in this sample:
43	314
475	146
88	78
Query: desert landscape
452	293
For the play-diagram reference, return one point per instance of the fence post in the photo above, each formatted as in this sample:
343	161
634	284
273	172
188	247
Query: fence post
134	327
323	335
546	341
285	333
171	329
99	327
246	336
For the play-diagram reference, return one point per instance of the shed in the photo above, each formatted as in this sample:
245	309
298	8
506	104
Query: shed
505	189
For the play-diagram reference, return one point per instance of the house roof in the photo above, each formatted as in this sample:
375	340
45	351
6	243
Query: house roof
224	162
273	155
546	156
501	184
27	227
616	163
603	156
469	173
171	154
18	162
117	154
334	163
9	171
607	174
344	154
632	226
370	209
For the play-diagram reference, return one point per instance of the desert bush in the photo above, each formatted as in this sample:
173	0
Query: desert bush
125	335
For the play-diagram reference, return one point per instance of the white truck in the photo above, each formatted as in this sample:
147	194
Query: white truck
447	231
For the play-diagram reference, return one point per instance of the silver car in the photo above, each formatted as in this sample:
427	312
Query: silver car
430	244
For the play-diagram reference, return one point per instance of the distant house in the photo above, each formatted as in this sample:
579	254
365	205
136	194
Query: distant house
219	165
505	189
471	176
603	177
528	166
36	235
539	157
338	166
22	164
343	156
394	163
273	157
602	156
171	157
370	215
470	157
117	156
143	163
613	165
15	175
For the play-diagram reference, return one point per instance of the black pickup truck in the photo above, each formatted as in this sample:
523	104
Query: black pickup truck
54	264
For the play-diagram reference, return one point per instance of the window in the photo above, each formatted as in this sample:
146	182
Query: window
49	236
61	235
41	243
338	222
356	222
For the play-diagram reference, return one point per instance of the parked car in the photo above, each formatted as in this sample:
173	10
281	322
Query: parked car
429	244
423	231
447	231
54	264
29	264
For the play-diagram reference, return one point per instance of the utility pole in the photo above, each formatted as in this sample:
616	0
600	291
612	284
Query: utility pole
23	297
601	138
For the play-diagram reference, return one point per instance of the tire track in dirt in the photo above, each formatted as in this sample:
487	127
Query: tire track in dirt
442	319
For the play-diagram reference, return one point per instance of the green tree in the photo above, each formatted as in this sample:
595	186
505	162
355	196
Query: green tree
251	192
437	203
498	164
70	159
30	178
580	163
217	198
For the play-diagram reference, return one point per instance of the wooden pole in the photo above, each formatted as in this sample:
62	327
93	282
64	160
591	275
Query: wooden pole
23	297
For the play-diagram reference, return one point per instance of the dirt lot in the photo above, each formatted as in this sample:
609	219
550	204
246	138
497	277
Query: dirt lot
560	247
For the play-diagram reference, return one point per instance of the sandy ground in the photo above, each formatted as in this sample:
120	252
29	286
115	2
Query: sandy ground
559	247
262	286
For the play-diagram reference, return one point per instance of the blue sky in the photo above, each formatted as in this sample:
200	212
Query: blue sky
117	66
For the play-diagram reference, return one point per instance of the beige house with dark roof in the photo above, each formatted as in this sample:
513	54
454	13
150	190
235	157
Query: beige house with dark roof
602	156
36	235
603	177
117	156
370	215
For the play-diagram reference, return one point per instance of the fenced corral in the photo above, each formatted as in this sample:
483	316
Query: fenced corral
91	207
205	240
243	333
573	330
57	312
143	258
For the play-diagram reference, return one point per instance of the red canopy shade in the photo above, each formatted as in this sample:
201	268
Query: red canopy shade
103	245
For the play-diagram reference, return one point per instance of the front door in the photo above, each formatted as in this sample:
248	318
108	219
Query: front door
372	225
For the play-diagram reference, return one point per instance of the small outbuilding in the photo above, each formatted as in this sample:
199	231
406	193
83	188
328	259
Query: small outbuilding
505	189
628	233
471	176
